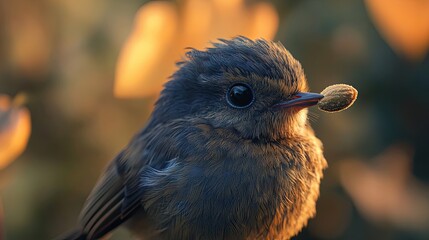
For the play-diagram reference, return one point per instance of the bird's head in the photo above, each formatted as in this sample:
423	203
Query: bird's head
255	88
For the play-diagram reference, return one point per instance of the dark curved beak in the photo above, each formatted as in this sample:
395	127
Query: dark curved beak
301	99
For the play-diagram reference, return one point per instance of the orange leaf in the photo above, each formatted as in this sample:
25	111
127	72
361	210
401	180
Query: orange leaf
145	50
404	24
15	128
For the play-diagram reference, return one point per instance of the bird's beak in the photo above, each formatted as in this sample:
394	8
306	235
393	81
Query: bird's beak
301	100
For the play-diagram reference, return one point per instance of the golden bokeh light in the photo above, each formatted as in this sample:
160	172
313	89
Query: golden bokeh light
163	30
15	128
386	191
29	38
403	24
146	49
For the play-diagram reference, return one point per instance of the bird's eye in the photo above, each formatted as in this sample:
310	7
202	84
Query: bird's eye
240	95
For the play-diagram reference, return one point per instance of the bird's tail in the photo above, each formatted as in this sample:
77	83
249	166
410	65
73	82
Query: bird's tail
76	234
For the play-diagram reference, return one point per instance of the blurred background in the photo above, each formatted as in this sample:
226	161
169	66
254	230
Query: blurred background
79	78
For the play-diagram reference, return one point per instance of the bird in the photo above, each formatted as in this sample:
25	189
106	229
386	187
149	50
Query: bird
227	153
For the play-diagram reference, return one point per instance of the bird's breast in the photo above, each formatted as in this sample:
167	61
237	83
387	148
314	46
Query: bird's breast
221	187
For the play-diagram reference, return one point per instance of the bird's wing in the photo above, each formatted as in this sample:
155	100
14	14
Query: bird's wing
118	194
112	200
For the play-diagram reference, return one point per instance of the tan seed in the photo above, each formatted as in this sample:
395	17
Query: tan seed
337	97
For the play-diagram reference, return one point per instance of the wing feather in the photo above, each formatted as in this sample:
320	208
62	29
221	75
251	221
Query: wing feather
112	201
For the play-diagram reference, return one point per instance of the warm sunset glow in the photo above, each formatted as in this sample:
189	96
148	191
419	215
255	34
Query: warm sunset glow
15	128
93	70
404	25
163	30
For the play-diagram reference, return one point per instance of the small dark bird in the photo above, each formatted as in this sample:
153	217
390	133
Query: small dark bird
228	153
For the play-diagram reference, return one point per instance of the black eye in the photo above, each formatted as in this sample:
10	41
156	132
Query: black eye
240	95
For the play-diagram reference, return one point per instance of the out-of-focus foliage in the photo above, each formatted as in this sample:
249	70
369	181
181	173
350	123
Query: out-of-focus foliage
69	55
26	37
15	128
386	192
163	30
404	25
